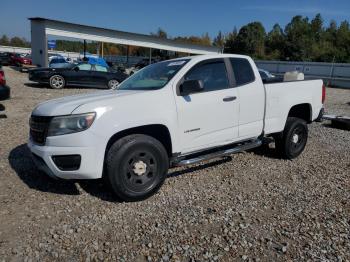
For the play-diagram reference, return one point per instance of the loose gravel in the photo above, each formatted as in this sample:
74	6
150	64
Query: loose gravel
250	206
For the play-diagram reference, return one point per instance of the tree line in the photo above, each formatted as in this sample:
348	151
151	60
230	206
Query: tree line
301	39
14	41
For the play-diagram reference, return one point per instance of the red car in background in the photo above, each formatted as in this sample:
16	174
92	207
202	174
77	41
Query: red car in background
2	77
21	59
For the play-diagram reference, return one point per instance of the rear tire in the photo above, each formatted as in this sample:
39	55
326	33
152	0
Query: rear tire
113	84
136	167
291	143
57	82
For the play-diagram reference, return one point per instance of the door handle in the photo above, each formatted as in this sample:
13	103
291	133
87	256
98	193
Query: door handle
229	98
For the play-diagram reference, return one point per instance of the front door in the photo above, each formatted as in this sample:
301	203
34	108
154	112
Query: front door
79	75
208	118
100	75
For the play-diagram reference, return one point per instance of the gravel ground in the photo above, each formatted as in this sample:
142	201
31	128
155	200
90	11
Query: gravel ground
250	206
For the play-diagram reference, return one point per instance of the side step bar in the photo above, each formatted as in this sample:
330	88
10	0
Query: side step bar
183	161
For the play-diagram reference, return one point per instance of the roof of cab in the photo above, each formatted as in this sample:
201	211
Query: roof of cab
210	56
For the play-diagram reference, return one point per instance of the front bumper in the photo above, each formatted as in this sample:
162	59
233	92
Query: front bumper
37	77
91	165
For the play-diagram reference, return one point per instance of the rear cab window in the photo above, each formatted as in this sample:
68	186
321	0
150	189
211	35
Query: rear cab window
242	70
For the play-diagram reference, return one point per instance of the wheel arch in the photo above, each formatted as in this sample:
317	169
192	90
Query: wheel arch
157	131
303	111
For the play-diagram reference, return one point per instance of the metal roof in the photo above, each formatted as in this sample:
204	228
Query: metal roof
72	30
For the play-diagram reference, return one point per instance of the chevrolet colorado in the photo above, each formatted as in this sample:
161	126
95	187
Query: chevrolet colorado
171	113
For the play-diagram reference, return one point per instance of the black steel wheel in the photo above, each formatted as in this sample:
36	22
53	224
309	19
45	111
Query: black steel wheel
136	167
291	143
140	170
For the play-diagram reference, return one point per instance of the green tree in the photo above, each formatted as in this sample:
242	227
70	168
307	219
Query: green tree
230	39
298	39
219	41
17	41
275	43
251	40
4	40
317	27
343	42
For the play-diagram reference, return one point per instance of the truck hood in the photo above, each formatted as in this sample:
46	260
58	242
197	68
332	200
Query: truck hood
66	105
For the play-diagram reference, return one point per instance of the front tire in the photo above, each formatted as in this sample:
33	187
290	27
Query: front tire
136	167
57	82
291	143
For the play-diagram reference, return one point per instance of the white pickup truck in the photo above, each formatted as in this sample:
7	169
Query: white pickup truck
171	113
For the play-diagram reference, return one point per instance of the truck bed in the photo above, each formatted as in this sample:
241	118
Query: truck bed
282	96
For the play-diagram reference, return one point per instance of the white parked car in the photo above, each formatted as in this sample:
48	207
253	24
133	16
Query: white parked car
171	113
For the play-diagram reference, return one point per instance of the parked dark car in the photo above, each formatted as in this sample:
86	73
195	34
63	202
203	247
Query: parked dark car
6	58
4	90
82	74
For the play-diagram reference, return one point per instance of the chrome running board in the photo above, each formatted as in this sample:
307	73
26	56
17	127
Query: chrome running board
187	160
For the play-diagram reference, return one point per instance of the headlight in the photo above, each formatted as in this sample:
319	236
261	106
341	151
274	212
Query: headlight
62	125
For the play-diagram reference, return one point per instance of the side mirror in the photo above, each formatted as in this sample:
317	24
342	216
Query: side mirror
191	86
76	69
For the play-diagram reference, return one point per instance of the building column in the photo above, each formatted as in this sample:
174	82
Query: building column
39	43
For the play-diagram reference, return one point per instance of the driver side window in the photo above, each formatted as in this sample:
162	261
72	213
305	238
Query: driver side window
213	74
84	67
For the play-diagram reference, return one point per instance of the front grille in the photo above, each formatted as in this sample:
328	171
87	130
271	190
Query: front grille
39	126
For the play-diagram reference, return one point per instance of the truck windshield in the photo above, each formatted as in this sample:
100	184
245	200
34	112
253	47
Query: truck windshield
154	76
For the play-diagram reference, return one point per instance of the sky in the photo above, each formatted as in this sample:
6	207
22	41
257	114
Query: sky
179	17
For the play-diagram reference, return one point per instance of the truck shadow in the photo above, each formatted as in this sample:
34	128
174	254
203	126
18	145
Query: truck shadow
21	162
266	151
99	189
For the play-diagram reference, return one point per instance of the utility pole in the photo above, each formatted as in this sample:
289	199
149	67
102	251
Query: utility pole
127	55
150	56
84	50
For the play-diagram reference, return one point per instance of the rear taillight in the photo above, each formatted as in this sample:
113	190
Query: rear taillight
323	93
